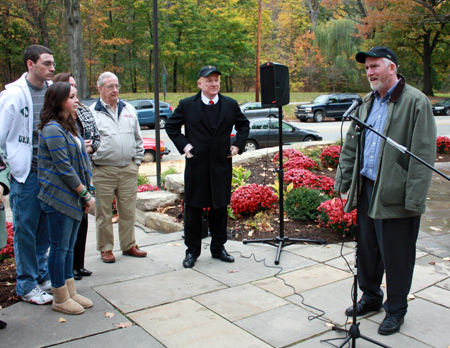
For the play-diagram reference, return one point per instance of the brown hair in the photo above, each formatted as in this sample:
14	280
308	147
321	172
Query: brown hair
62	77
55	96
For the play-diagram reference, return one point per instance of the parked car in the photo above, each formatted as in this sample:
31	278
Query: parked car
150	149
255	109
326	105
264	133
146	112
442	108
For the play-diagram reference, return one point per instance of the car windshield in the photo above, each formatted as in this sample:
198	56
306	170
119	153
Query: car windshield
320	99
443	102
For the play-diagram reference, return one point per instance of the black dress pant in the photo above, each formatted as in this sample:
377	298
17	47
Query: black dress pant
80	244
385	245
217	220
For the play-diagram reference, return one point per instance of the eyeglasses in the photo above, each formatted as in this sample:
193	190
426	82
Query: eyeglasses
48	64
111	87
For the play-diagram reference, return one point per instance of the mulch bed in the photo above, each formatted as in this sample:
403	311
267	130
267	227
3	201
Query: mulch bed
7	283
263	172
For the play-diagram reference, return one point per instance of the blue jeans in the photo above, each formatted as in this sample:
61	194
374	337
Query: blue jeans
63	235
31	238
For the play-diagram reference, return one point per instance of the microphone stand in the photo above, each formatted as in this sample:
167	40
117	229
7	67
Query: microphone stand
281	240
353	333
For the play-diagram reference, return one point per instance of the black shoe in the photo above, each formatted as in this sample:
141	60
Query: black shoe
390	325
84	272
2	324
77	275
223	256
189	261
362	308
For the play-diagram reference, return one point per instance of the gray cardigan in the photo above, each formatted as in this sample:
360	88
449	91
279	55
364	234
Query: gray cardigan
62	166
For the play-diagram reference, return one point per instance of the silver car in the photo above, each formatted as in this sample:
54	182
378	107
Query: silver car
254	109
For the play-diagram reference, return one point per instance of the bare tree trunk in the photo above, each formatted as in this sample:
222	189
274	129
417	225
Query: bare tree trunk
314	11
426	58
175	76
75	46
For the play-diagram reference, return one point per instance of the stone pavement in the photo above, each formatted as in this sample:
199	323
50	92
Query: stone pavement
250	303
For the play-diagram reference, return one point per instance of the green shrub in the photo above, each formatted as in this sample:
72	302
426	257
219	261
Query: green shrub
142	179
313	152
302	203
240	177
169	171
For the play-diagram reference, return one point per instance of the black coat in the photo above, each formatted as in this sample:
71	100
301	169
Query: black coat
207	175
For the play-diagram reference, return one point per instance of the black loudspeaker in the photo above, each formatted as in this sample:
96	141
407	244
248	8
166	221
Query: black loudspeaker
274	84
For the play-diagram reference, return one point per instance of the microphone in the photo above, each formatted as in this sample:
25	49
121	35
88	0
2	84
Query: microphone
355	104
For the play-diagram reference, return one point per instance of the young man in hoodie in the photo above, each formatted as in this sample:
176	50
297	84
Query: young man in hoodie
20	106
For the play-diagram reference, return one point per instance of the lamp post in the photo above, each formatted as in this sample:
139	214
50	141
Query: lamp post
258	44
156	91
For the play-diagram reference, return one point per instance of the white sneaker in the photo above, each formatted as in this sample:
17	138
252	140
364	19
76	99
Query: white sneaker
37	296
46	286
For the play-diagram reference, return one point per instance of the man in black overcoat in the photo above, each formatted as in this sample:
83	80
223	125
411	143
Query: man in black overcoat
208	118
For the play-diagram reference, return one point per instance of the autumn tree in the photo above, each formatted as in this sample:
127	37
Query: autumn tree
414	29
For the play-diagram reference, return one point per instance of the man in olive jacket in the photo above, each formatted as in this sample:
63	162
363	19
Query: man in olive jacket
208	118
394	186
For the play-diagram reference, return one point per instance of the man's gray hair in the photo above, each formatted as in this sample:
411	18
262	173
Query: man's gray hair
388	62
103	76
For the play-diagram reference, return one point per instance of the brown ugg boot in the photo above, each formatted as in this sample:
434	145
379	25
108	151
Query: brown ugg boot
84	301
63	303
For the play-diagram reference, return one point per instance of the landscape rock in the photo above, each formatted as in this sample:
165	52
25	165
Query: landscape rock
152	200
162	223
175	183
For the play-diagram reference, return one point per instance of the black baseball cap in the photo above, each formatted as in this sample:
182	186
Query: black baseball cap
207	70
377	52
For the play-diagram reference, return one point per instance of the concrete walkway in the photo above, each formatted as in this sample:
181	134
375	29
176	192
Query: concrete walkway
155	302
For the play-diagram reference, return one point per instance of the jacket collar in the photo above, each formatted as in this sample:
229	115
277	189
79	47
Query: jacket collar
99	107
396	93
398	90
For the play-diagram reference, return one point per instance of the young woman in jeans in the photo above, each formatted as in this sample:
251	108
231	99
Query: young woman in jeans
64	175
89	132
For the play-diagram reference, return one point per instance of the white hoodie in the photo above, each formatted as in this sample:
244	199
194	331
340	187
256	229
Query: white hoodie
16	127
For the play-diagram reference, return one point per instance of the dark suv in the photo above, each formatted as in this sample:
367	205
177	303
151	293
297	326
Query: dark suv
326	105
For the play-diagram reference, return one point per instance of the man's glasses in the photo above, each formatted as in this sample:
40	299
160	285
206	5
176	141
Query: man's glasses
111	87
49	64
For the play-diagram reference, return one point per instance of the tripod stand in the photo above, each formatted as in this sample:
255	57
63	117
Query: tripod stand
280	241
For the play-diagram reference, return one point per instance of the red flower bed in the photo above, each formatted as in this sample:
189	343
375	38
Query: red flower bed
250	199
300	162
287	155
305	178
330	156
443	145
332	215
147	187
8	250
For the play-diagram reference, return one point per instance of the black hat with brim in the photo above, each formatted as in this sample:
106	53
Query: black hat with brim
377	52
208	70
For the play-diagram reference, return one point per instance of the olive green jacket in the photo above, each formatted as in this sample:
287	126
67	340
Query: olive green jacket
4	181
402	183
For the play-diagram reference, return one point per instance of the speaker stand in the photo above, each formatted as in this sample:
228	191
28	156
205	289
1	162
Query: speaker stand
281	241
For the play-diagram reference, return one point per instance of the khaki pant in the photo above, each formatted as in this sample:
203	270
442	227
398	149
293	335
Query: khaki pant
110	181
